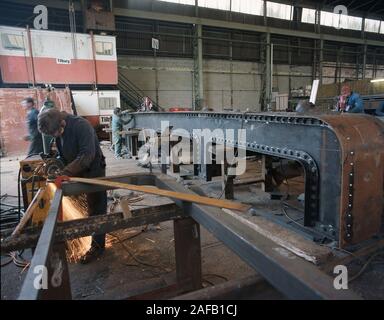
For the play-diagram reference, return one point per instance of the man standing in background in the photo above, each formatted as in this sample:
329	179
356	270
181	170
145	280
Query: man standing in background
33	136
350	101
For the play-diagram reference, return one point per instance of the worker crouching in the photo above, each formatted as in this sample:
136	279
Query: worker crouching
79	149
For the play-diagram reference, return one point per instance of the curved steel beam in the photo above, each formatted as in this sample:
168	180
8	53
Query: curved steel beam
338	195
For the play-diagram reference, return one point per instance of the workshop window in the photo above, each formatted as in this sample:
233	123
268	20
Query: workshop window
372	25
308	15
280	11
215	4
255	7
188	2
104	48
340	21
107	103
12	41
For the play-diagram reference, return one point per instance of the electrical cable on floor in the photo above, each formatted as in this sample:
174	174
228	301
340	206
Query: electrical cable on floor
135	258
209	282
19	193
292	207
215	275
17	259
293	220
9	214
127	238
9	218
211	245
6	263
366	264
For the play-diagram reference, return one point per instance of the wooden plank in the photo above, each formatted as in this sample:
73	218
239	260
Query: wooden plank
29	212
166	193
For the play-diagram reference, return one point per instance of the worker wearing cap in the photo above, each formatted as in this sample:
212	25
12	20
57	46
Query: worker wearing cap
79	149
34	136
350	101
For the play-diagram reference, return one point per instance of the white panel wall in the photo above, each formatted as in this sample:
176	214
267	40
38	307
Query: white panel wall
176	80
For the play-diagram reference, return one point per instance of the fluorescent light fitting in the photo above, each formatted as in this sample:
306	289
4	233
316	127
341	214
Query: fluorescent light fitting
377	80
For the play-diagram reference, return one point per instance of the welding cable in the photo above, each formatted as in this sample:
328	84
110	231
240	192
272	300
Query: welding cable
291	219
209	282
6	195
17	259
6	263
321	236
127	238
211	245
33	187
292	207
19	194
135	258
366	264
215	275
8	216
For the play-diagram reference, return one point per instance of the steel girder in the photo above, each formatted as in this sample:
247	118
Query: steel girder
342	156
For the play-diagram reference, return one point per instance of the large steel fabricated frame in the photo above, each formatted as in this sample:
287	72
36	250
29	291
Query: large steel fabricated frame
292	275
342	156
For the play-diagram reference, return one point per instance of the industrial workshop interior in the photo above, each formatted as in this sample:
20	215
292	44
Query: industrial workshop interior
192	150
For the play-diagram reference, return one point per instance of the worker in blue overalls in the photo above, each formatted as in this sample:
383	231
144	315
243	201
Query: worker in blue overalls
351	100
34	136
117	127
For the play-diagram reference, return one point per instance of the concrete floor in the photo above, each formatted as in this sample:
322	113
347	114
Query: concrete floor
116	275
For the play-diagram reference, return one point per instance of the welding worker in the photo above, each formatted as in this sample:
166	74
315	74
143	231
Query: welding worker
350	101
117	127
79	149
34	136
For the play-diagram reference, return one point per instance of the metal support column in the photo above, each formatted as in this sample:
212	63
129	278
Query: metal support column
364	60
321	59
231	69
198	68
268	78
156	65
188	253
